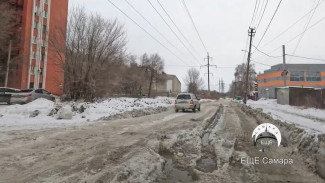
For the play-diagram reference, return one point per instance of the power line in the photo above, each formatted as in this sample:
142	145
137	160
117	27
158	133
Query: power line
189	14
266	53
177	27
257	12
171	29
260	63
253	17
299	34
161	34
299	41
245	49
147	32
306	57
301	18
198	66
262	14
267	28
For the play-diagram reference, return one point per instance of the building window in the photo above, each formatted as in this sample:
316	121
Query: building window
32	70
45	13
35	10
297	76
34	39
44	29
31	85
35	25
33	55
40	85
43	57
41	72
313	76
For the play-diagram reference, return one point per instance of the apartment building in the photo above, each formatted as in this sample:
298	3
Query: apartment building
41	31
299	75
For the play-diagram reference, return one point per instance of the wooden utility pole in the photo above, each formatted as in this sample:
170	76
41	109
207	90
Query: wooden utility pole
8	63
251	33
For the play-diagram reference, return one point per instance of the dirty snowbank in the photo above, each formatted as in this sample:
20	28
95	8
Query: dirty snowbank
310	119
305	141
42	113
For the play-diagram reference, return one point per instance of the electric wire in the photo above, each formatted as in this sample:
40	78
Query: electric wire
161	34
172	30
282	33
268	26
150	35
318	59
253	17
307	24
257	12
182	34
262	14
189	14
266	53
295	37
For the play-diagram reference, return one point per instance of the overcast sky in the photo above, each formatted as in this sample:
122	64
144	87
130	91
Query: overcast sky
223	26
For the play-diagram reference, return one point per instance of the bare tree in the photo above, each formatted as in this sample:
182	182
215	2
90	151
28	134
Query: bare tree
7	25
238	86
193	81
153	66
94	47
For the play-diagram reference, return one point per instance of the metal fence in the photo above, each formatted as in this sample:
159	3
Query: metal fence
308	97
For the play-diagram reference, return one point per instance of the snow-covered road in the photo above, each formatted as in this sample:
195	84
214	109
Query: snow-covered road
205	146
310	119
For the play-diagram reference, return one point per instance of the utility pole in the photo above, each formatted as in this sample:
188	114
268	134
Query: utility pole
251	33
208	65
208	57
285	72
8	63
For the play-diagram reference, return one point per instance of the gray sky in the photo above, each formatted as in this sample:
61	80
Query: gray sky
223	26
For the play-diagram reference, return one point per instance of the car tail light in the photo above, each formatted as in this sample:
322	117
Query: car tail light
191	102
27	95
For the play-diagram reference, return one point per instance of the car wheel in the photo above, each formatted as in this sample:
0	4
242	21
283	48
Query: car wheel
176	110
194	109
9	103
183	110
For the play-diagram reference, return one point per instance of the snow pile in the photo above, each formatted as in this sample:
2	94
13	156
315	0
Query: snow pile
310	119
44	113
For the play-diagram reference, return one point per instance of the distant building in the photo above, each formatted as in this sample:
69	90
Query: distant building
299	75
35	64
170	86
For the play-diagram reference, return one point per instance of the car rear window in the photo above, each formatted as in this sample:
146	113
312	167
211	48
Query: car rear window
25	91
184	97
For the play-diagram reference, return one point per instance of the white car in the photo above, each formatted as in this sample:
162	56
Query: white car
26	96
187	101
6	93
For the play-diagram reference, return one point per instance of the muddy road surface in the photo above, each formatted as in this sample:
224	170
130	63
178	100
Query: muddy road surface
213	145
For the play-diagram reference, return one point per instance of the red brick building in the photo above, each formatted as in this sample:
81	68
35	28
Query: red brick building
41	31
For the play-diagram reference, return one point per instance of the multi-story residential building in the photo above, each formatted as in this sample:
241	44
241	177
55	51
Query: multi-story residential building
299	75
38	63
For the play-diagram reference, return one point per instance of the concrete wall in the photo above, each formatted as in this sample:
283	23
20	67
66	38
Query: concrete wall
283	96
